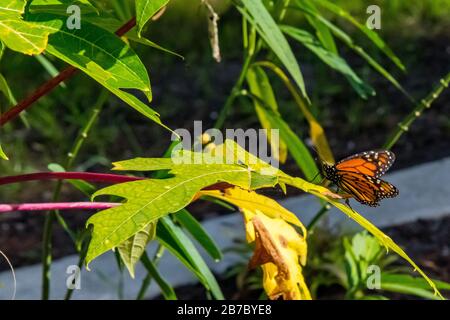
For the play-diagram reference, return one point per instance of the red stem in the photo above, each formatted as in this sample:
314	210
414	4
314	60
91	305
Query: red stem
52	83
57	206
86	176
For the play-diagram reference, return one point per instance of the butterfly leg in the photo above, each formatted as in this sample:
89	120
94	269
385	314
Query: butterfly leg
347	202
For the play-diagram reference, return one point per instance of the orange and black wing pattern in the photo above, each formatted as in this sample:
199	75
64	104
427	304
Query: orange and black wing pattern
370	163
366	189
358	175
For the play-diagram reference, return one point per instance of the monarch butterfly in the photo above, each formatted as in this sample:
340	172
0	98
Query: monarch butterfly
358	175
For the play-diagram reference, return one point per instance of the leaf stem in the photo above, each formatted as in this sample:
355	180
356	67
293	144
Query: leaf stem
4	208
317	217
148	278
86	176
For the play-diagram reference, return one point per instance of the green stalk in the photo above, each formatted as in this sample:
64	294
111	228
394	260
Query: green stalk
249	46
50	217
148	279
317	217
404	125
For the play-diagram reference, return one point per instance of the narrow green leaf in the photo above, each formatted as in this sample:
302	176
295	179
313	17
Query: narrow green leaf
60	6
166	289
260	18
260	86
191	224
81	185
351	266
296	147
2	154
339	33
333	60
6	90
145	9
174	239
322	31
407	280
132	249
49	67
372	35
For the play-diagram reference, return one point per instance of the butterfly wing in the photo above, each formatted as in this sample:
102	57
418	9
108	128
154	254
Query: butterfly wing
369	163
360	187
386	189
366	189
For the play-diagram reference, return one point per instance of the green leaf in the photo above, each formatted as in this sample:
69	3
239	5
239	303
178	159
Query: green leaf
151	199
255	12
101	55
60	6
22	36
351	266
133	248
2	49
166	288
322	31
49	67
316	132
191	224
81	185
407	284
174	239
259	85
145	9
372	35
2	154
296	147
12	8
4	87
108	22
339	33
331	59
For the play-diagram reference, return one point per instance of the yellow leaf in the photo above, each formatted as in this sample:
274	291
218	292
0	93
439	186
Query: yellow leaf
316	131
279	248
251	200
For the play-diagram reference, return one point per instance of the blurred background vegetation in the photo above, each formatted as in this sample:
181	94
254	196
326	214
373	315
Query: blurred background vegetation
195	89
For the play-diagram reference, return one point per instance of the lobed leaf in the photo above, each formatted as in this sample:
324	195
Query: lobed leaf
149	200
